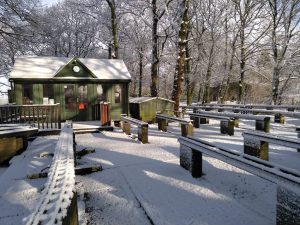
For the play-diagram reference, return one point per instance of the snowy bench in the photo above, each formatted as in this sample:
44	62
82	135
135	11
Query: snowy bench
142	127
186	125
58	201
279	116
288	180
13	138
261	122
259	106
257	143
226	123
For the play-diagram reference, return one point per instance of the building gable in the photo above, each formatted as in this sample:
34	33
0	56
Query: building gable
75	68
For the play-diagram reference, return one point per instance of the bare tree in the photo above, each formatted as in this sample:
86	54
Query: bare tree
114	45
181	59
248	16
156	16
285	20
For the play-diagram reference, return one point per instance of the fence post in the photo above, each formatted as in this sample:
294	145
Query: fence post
187	129
256	148
143	134
227	127
263	125
279	118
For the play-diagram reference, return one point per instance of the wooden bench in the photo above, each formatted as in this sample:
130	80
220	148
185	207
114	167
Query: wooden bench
291	108
59	193
186	125
142	127
261	122
279	116
226	123
288	180
256	143
13	138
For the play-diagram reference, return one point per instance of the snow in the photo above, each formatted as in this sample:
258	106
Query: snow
144	184
59	190
20	195
165	191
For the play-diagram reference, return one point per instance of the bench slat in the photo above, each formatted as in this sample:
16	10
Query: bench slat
271	138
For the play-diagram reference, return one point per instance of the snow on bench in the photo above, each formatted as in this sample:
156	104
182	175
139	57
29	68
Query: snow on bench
288	180
226	123
261	122
259	106
58	203
186	125
142	127
256	143
278	115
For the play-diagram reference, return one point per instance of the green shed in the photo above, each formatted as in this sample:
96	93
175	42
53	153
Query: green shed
78	84
145	108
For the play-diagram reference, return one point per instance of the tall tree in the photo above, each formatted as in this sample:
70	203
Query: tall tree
248	16
284	22
156	16
114	45
181	59
17	22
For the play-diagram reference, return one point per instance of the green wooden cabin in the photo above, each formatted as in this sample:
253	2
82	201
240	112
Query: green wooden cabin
78	84
145	108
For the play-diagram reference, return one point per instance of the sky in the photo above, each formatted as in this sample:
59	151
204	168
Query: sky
49	2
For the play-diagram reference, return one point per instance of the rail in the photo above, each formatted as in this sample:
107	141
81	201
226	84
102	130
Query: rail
259	106
142	127
256	143
186	125
226	123
41	116
278	115
288	180
58	203
261	122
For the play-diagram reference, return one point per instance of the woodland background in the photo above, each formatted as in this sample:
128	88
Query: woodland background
244	50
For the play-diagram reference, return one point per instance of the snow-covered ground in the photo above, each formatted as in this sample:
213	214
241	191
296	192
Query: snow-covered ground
19	195
144	184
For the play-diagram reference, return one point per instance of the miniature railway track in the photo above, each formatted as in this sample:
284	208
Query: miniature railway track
57	203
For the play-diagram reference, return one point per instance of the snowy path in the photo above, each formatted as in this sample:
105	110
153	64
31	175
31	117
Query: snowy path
144	184
19	195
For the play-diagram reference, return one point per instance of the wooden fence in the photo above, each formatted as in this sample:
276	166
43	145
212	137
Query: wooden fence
41	116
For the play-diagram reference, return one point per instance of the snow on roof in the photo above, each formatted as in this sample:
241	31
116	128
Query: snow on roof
146	99
47	67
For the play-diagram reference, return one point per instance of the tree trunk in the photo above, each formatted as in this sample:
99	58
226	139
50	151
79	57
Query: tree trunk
155	60
141	56
114	27
190	86
241	93
181	59
207	94
221	88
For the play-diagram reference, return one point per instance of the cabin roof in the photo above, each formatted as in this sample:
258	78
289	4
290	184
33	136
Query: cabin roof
48	67
146	99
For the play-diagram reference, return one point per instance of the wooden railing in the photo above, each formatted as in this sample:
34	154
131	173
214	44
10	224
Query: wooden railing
287	180
41	116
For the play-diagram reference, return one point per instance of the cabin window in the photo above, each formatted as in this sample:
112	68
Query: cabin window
27	94
48	91
83	93
118	93
101	93
70	101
